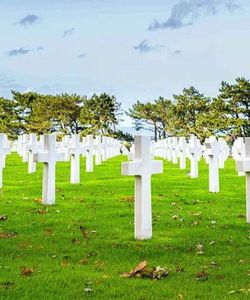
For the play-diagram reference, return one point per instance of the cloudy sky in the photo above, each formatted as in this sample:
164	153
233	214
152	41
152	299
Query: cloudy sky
135	49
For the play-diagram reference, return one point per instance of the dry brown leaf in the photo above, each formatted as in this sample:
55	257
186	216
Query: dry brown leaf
38	200
83	261
142	270
7	284
25	271
48	232
42	211
7	235
202	276
84	232
75	241
128	198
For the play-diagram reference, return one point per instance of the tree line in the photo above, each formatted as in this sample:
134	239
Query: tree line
190	112
65	114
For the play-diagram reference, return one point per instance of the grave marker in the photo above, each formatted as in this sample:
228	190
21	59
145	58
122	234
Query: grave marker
213	152
243	166
49	157
142	168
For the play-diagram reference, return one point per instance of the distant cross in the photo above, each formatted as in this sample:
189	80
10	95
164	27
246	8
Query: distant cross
174	151
24	143
89	147
243	165
4	150
169	149
195	152
182	146
32	148
98	149
75	151
142	168
213	152
105	148
65	145
224	153
49	156
238	151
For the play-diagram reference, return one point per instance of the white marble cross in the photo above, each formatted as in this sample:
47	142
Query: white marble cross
75	150
238	151
49	156
224	153
98	150
65	145
4	150
174	150
195	152
142	168
243	165
169	151
24	151
32	148
89	147
182	146
213	152
105	148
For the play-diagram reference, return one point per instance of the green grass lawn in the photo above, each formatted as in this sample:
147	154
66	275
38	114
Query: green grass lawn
65	260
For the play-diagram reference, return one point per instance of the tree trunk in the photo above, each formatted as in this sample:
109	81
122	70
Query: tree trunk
155	132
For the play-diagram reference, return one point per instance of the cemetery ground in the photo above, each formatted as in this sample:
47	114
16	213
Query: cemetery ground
79	248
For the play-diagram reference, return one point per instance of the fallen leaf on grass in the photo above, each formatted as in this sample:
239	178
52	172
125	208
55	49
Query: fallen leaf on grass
38	200
25	272
200	249
240	291
3	218
65	261
7	284
75	241
142	270
195	223
42	211
201	276
83	261
128	198
7	235
179	269
48	232
84	232
241	216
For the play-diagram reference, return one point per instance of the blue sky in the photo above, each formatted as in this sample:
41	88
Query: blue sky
137	50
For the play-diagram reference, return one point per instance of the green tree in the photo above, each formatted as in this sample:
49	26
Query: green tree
100	114
189	114
145	116
8	120
164	110
235	99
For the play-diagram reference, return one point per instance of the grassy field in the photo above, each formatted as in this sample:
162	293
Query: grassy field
86	239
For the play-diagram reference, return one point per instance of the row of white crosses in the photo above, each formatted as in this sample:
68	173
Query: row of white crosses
49	152
176	149
243	166
142	167
4	150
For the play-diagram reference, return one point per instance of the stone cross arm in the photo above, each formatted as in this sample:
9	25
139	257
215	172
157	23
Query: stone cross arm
46	157
243	166
138	168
